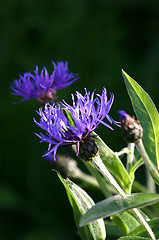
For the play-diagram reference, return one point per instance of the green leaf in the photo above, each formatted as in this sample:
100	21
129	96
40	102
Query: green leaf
134	238
116	204
120	223
103	184
114	165
113	231
101	181
147	114
130	220
81	202
135	167
140	230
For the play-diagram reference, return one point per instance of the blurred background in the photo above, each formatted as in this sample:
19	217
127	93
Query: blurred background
98	39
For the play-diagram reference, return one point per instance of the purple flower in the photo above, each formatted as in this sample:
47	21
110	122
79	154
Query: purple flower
42	86
62	77
73	125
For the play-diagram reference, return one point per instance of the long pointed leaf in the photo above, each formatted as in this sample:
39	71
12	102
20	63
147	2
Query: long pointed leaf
140	230
116	204
81	202
130	219
114	165
147	114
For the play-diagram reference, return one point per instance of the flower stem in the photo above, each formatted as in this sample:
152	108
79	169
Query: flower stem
99	165
130	156
149	164
144	223
122	151
101	181
78	174
151	186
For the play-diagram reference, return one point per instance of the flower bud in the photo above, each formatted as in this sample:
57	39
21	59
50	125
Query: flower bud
88	149
132	130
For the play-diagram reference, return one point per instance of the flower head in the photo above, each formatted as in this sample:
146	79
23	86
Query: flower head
42	86
62	77
73	125
132	130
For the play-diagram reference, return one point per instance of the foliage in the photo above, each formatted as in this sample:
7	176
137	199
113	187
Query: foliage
122	208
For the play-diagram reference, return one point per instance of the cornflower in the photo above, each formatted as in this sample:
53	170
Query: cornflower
42	86
74	125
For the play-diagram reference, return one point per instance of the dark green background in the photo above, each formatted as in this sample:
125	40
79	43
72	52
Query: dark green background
97	38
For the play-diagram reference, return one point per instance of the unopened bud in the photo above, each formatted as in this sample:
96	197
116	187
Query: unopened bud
132	130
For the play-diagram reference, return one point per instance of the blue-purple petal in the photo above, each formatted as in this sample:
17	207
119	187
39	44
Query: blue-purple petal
87	113
38	85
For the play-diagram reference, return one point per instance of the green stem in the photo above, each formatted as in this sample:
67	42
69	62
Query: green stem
98	164
151	186
130	156
149	164
100	179
122	151
144	223
79	175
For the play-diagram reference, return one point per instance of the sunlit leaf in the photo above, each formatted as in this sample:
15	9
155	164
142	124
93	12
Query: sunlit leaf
135	167
120	223
114	165
147	114
116	204
129	220
140	230
81	202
